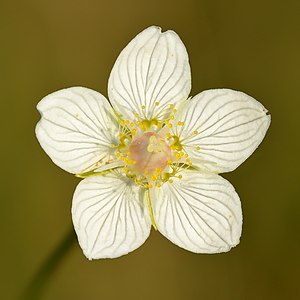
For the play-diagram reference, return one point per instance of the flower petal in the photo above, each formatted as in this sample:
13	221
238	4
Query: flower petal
77	128
151	71
110	215
226	125
200	213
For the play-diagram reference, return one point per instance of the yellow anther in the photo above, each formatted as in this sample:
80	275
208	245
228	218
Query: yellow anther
143	106
171	105
180	123
156	103
168	135
131	124
196	132
170	180
153	178
166	122
177	155
136	115
112	145
198	148
174	111
127	122
133	131
158	185
170	125
169	162
180	176
186	155
150	186
146	172
171	117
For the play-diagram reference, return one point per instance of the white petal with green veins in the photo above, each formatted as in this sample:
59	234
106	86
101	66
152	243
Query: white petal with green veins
200	212
110	215
221	129
77	129
151	73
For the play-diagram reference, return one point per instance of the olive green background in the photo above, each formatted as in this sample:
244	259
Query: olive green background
252	46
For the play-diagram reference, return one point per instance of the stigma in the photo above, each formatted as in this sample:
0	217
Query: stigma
149	152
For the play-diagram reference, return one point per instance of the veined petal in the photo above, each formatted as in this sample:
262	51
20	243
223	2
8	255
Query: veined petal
200	213
110	215
77	129
222	128
151	73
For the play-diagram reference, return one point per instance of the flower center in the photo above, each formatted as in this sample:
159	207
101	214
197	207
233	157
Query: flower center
150	153
151	150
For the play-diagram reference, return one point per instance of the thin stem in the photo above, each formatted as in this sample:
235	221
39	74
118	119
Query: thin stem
39	281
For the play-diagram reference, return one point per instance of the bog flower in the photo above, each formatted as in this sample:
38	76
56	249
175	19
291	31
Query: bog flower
152	155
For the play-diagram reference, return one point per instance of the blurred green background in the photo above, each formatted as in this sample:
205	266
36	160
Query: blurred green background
252	46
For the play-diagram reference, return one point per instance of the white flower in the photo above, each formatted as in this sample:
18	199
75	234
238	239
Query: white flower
153	155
